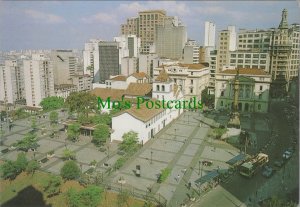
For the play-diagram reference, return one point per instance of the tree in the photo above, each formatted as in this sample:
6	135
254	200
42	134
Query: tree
69	154
103	118
21	162
28	142
70	170
33	123
32	166
100	134
81	102
8	170
130	142
90	196
53	117
122	198
52	185
52	103
73	131
207	99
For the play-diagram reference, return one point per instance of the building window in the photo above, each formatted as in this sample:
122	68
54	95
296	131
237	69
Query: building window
222	93
258	106
163	88
192	73
191	90
191	81
260	88
157	87
221	103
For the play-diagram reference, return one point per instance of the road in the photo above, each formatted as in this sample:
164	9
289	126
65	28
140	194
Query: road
235	192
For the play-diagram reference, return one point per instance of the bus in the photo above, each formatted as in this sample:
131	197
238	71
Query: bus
251	166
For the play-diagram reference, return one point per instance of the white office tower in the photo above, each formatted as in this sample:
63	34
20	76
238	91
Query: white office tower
170	39
129	45
128	65
227	43
191	52
91	56
209	34
12	82
38	77
232	38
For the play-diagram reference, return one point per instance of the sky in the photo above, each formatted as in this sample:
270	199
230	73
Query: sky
69	24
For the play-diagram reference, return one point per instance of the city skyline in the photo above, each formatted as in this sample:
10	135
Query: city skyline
68	25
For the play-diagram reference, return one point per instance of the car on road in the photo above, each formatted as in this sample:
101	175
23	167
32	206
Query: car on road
287	154
207	163
267	171
278	164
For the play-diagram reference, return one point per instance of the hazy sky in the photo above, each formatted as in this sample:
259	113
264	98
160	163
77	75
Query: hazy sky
69	24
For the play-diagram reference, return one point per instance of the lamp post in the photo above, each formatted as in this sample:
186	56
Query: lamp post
151	156
175	133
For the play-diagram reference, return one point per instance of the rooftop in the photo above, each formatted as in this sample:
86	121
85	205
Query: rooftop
139	75
104	93
163	76
144	114
119	78
138	89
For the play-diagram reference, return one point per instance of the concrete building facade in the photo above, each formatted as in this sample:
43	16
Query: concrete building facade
38	78
170	38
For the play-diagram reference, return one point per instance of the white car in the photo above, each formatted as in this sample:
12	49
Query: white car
287	155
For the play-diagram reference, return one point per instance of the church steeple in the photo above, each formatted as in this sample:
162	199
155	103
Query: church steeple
284	24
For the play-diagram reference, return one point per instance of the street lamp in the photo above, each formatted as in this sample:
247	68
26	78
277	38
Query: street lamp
151	156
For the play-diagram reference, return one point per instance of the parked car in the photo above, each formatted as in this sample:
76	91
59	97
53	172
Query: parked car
207	163
287	154
278	164
267	171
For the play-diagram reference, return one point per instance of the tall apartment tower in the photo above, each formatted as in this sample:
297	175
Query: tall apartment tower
170	38
12	82
191	52
144	26
129	45
64	65
90	57
227	43
108	61
209	34
38	77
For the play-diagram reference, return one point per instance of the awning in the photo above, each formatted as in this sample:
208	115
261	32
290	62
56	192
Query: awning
236	159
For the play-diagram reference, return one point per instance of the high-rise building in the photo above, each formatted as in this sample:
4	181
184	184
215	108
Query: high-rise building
64	66
209	34
129	65
284	53
227	43
191	52
108	61
129	46
38	77
170	38
12	82
144	26
90	56
250	59
131	27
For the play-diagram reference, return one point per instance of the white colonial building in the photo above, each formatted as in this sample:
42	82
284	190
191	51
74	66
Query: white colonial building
191	78
148	122
254	87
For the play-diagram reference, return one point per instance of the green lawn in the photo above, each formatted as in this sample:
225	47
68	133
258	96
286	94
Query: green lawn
10	189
